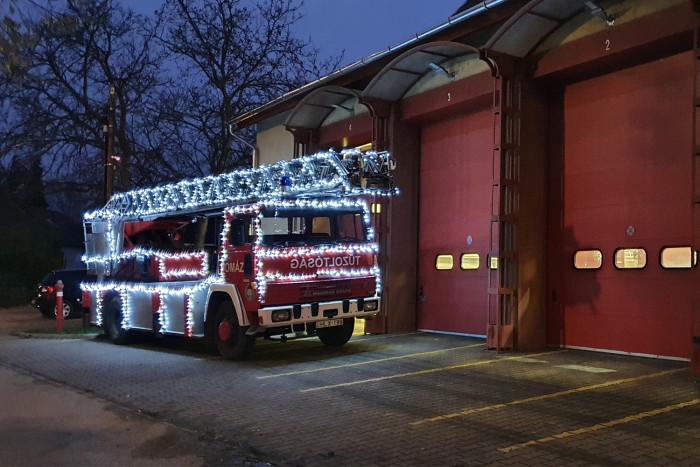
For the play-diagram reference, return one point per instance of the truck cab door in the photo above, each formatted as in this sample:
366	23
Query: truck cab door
238	260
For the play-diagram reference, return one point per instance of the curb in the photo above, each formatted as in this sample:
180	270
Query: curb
39	335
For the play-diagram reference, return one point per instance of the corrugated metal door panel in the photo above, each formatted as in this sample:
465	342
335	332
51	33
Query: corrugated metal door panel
627	184
454	219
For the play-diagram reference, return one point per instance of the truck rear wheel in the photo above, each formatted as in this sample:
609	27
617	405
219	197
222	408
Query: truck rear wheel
112	318
230	337
337	335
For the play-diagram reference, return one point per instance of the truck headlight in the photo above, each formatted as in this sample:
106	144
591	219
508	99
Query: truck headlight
281	315
371	305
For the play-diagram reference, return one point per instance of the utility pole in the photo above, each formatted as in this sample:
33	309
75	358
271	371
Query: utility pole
108	130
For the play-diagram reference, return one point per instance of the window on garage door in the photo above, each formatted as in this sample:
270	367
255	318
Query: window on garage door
588	259
469	261
677	257
444	262
630	258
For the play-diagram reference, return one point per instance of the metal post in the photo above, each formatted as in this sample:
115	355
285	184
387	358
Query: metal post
108	130
502	310
695	217
59	306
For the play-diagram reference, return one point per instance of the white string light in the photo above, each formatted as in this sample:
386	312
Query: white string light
325	172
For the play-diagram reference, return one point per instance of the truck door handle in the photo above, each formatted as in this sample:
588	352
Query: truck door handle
248	264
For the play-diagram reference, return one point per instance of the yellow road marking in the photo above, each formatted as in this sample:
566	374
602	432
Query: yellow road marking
601	426
335	367
422	372
372	337
544	397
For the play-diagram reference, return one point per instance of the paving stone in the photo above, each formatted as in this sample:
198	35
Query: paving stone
284	410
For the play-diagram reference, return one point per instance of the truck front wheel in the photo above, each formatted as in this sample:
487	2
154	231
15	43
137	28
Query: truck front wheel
337	335
230	337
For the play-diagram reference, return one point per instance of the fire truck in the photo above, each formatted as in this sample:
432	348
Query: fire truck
283	250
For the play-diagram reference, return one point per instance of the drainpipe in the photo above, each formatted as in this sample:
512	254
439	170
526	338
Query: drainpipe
256	151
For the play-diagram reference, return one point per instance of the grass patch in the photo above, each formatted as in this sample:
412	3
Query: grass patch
75	332
14	296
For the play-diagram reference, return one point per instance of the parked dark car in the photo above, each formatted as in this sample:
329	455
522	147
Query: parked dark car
45	299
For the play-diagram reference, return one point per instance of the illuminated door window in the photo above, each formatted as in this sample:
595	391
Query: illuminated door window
678	257
588	259
630	258
444	262
493	263
469	261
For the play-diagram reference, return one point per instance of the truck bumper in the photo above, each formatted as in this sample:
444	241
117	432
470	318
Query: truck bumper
302	314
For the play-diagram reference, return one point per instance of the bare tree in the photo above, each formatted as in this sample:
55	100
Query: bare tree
174	99
231	56
66	56
8	35
174	96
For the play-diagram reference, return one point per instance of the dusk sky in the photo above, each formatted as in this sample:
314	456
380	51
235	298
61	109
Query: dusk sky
360	27
363	27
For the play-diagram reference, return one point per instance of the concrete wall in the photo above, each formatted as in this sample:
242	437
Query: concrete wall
274	142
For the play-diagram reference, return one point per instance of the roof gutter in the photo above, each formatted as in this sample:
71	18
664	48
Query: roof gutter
458	18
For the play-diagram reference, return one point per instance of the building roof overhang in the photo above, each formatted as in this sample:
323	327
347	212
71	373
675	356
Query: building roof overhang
541	25
375	61
402	73
521	35
317	106
530	32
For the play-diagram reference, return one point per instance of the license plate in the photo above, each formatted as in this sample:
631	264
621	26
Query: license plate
329	323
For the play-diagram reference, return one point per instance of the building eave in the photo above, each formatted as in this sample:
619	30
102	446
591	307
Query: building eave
360	68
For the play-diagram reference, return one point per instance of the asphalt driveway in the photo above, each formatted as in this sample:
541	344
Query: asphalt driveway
412	399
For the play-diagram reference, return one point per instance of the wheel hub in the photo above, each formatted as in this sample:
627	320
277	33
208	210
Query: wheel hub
225	331
65	311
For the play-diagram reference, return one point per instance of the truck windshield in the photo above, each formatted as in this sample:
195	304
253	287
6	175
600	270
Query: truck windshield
311	227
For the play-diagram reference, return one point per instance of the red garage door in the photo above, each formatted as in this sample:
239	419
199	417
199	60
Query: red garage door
626	199
454	222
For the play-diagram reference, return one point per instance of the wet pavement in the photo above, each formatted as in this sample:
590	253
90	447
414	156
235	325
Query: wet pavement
43	422
411	399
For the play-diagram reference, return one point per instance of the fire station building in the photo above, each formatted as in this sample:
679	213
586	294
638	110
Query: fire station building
547	161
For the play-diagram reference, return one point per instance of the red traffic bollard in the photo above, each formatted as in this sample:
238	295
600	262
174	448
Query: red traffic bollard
59	306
